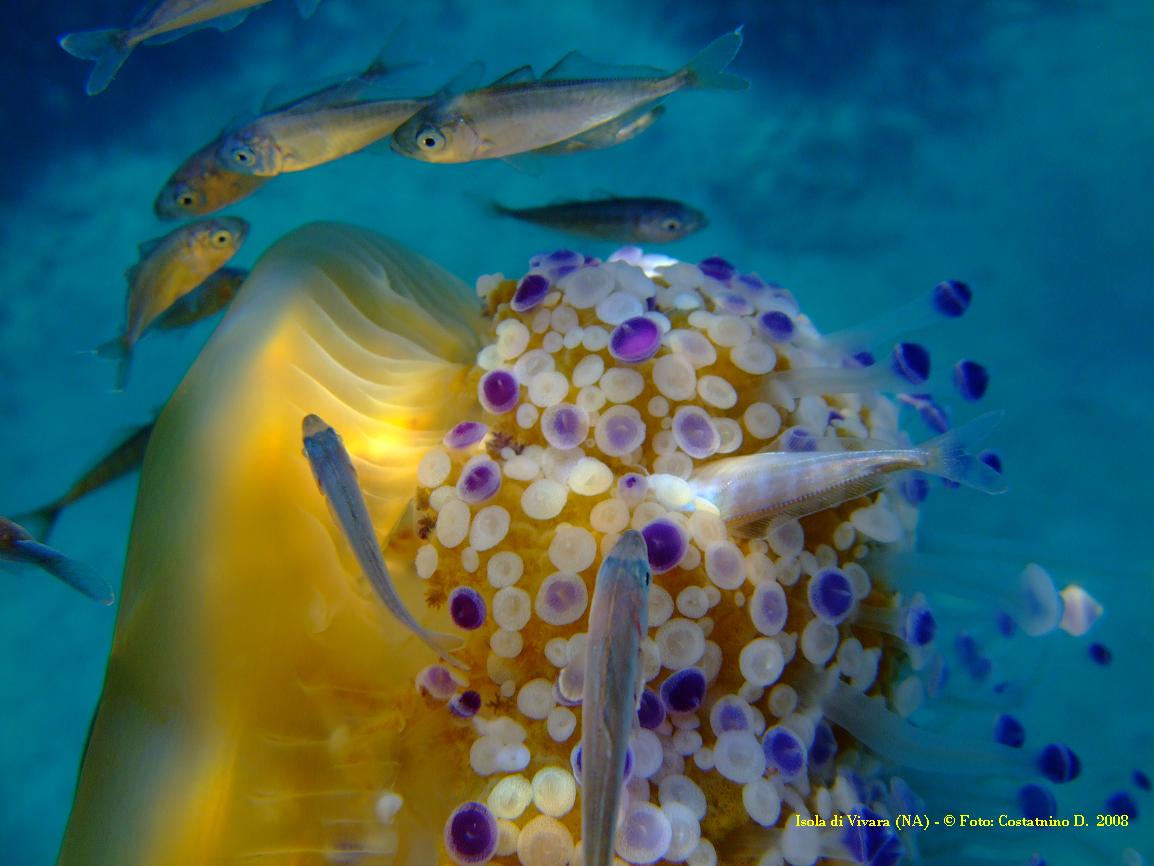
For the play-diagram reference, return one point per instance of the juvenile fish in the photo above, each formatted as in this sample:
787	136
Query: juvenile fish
513	117
18	546
207	299
123	459
616	131
303	138
618	623
204	185
757	492
334	473
159	22
623	220
170	267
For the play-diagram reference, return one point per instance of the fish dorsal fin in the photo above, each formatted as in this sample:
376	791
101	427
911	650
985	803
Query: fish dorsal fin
577	65
469	78
147	248
516	76
288	97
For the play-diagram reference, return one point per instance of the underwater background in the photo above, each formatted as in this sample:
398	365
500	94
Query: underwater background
882	147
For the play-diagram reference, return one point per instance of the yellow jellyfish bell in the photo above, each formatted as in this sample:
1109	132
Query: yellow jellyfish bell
263	707
259	701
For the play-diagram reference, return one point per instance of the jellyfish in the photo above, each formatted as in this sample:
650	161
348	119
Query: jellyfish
261	705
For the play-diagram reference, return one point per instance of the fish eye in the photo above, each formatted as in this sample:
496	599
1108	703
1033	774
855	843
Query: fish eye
430	139
221	239
671	224
243	155
186	198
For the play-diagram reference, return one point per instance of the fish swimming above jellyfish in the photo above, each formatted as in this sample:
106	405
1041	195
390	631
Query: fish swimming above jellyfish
323	126
624	220
259	708
302	138
18	547
512	117
156	23
170	267
124	458
203	184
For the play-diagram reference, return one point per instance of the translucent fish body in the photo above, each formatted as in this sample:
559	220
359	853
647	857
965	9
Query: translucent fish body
755	493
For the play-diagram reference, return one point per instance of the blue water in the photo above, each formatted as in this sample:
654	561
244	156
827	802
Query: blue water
883	146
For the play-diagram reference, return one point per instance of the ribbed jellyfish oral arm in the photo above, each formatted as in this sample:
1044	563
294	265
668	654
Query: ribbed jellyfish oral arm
257	690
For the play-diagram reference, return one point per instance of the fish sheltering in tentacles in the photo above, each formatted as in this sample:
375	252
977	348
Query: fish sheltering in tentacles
18	546
204	185
755	493
124	458
337	480
618	623
624	220
170	267
515	116
159	22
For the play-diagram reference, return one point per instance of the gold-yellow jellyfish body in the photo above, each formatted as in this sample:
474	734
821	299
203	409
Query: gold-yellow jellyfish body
258	699
262	706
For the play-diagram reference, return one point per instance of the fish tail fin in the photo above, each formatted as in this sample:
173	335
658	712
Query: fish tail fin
706	70
120	351
950	455
42	521
78	576
107	50
307	7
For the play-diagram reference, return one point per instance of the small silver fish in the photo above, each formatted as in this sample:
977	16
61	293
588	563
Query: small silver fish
757	492
303	138
18	546
610	134
203	185
337	480
623	220
511	117
158	22
207	299
618	623
170	267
